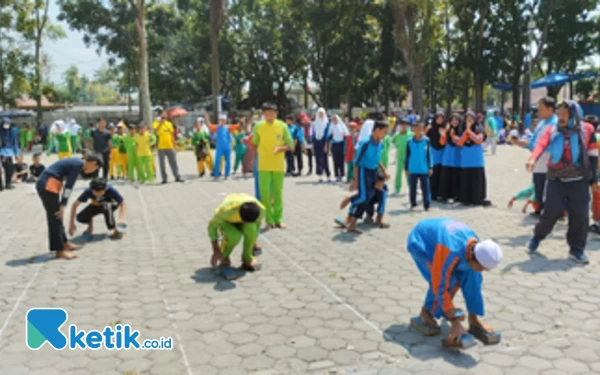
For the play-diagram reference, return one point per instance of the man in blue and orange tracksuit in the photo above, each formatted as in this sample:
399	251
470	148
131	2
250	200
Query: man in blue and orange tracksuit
450	256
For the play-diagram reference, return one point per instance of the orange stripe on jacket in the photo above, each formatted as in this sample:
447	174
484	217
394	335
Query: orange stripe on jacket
439	259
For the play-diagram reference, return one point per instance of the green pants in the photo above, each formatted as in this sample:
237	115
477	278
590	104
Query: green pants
132	166
74	143
239	158
144	167
385	158
232	235
350	168
270	185
399	174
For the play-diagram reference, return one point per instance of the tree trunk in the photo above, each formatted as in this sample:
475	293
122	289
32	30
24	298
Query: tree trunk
416	81
478	91
570	88
306	90
129	104
526	92
215	15
465	91
2	79
38	79
144	87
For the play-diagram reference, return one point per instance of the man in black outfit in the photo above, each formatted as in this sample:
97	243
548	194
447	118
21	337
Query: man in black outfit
102	144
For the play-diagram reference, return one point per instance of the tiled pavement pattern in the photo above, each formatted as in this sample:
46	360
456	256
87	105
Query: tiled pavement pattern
326	302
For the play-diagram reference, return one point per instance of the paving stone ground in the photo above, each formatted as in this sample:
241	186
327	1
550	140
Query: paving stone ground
326	302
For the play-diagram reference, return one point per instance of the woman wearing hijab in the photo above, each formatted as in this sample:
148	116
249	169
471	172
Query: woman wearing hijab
437	136
450	173
339	131
470	137
321	133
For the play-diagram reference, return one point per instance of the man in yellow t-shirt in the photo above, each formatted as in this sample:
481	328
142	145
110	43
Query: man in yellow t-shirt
272	139
163	128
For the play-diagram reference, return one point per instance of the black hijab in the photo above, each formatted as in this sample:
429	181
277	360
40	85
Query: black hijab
457	131
434	131
477	128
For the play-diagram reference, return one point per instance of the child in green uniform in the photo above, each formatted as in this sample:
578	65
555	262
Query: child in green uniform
399	141
23	138
113	167
122	152
200	144
240	149
64	143
239	215
129	143
143	144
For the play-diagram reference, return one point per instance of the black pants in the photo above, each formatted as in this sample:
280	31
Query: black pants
337	149
576	195
309	155
289	161
423	179
539	186
106	164
56	229
299	158
88	213
8	166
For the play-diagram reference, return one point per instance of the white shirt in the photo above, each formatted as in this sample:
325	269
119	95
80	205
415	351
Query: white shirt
338	132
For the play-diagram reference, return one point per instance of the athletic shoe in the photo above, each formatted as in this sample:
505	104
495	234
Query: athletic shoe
533	244
579	257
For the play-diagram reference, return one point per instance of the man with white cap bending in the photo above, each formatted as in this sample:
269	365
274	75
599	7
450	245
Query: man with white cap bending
450	256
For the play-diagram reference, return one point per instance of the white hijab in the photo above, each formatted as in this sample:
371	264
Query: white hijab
319	124
366	130
339	129
56	124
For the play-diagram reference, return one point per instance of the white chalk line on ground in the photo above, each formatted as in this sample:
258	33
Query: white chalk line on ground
322	285
160	285
23	293
16	306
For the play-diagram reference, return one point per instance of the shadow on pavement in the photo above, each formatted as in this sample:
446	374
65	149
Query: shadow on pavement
36	259
538	262
209	275
81	240
427	348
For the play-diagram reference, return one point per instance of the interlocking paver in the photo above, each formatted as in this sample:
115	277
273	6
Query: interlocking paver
280	320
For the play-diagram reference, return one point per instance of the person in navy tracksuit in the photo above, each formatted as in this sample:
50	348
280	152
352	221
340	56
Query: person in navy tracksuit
366	165
54	186
419	165
379	199
9	149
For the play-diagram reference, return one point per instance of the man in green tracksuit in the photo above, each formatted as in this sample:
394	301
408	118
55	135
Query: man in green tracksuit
130	148
399	141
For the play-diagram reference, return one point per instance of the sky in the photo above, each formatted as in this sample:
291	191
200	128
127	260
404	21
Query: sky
70	51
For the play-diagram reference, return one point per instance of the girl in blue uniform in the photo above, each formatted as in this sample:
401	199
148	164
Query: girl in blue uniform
470	137
450	173
437	137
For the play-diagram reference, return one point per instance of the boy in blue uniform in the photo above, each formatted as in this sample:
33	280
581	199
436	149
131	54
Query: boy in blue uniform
450	256
51	185
366	164
379	199
419	165
104	200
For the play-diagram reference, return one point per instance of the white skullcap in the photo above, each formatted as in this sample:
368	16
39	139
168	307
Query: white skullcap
222	117
488	254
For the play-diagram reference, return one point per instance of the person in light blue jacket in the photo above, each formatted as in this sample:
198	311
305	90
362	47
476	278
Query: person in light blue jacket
419	165
9	149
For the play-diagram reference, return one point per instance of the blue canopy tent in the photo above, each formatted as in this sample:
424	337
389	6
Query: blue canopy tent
551	79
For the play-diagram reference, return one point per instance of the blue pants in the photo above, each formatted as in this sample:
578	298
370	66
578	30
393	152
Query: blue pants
469	283
256	187
337	149
379	199
226	153
321	158
425	188
366	191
